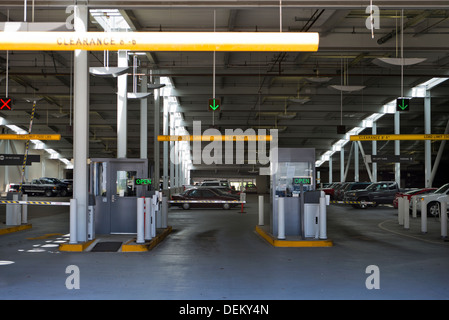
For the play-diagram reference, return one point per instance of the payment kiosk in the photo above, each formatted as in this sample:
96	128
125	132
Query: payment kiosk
293	178
113	185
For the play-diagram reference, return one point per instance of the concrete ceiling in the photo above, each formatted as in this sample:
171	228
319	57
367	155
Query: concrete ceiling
254	88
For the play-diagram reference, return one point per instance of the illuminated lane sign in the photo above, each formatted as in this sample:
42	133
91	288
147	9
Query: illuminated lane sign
142	182
303	180
387	137
161	41
5	104
214	104
402	104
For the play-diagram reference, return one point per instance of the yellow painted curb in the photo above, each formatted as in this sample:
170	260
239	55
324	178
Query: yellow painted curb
292	243
132	246
15	229
76	247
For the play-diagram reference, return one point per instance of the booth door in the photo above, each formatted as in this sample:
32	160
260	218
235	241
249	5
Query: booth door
123	196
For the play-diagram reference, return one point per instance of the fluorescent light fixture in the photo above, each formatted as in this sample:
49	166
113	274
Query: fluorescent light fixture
16	129
384	62
319	79
432	83
353	132
38	145
53	154
347	88
390	107
110	19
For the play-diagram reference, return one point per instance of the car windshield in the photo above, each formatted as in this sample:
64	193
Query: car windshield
443	189
374	186
219	191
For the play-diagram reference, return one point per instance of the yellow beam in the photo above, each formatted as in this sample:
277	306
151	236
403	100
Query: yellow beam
387	137
160	41
30	137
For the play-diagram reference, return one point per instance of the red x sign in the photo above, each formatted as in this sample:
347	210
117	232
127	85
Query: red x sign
6	104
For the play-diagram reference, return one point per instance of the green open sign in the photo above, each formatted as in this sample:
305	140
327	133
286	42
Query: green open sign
142	181
303	180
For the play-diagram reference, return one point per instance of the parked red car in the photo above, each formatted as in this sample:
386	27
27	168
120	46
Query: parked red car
411	193
330	190
204	198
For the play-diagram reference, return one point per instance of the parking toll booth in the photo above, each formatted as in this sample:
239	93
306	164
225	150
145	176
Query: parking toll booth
293	182
113	184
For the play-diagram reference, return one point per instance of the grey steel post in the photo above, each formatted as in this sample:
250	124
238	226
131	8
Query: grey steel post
144	118
423	216
342	164
427	143
81	127
281	218
24	209
397	149
443	217
157	105
374	152
122	105
140	220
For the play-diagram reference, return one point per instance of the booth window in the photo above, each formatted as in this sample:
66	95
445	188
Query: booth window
125	183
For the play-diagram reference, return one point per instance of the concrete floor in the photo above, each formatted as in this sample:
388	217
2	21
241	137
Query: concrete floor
216	255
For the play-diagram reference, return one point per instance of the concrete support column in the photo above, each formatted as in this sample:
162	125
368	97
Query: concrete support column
144	117
165	132
122	106
330	169
427	143
81	127
156	154
172	151
397	148
356	162
374	151
342	164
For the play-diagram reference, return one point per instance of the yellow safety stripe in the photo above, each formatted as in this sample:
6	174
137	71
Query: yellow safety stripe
53	203
205	201
351	202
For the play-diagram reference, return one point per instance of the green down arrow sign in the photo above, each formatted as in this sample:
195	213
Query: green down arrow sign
402	104
214	104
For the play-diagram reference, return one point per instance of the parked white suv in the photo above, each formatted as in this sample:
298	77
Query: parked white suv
433	200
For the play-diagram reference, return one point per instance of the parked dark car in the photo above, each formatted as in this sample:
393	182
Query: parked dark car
37	187
349	186
379	193
66	187
200	197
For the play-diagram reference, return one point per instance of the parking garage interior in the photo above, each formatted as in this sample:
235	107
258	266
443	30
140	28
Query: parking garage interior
370	54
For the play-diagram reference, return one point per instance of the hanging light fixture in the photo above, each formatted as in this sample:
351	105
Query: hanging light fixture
398	61
344	87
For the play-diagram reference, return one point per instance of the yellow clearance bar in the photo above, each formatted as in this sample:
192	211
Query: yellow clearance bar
30	137
160	41
386	137
215	138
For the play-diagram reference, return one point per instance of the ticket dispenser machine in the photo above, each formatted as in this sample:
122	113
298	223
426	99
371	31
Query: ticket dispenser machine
112	182
293	178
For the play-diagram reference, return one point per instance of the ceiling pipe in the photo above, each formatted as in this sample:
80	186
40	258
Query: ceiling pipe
407	25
